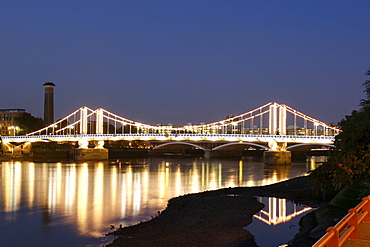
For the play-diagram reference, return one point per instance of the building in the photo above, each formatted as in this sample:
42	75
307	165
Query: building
7	116
49	103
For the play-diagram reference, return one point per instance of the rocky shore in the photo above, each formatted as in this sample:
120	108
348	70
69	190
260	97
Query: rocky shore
213	218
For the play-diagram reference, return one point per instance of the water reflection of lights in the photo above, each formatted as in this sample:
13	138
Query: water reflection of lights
240	172
51	190
70	188
279	211
178	180
12	190
123	199
82	196
97	206
136	194
91	194
194	178
31	185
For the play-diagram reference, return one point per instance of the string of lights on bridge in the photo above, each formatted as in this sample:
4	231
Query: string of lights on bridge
269	119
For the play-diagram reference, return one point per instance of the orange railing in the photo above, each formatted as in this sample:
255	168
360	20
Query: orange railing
347	228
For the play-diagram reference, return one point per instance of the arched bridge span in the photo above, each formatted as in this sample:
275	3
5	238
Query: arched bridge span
244	144
213	147
161	146
308	146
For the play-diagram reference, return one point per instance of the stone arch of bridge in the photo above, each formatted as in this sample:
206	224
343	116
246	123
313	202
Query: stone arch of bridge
307	146
223	146
179	143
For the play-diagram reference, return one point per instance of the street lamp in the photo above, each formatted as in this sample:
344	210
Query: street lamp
14	128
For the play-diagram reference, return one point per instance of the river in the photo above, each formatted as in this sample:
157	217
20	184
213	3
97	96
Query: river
74	204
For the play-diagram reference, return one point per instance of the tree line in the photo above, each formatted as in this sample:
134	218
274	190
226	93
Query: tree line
350	163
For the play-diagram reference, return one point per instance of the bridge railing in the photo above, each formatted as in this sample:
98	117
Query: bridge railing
299	137
347	228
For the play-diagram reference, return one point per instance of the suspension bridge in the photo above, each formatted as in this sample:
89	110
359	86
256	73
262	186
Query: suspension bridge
273	126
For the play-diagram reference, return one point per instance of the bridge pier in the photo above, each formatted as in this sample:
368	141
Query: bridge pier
207	153
277	157
85	154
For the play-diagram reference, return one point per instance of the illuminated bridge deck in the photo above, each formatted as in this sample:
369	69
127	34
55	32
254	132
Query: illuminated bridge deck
176	137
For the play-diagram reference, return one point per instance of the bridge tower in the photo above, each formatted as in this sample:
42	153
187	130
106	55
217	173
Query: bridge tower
282	120
84	153
99	121
83	120
277	126
277	119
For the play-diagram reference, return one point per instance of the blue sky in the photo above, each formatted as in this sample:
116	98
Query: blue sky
185	61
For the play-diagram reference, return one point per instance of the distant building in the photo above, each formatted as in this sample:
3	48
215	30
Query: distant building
49	103
7	116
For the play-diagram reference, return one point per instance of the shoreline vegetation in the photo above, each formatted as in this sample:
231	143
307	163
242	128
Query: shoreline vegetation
217	218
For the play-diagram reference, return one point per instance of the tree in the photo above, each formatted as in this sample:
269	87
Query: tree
366	102
28	123
356	127
351	162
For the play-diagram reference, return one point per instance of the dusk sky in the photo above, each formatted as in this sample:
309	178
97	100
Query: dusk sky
185	61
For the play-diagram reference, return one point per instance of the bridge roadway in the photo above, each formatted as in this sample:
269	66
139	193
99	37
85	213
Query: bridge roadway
249	138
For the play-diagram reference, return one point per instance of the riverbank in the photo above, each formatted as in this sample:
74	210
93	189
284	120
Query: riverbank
212	218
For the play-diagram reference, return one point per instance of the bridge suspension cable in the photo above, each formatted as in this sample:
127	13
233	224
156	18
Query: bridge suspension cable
269	119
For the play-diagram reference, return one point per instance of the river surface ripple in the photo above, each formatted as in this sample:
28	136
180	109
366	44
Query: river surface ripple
74	204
